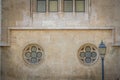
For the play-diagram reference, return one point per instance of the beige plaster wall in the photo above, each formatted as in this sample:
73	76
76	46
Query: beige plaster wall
102	13
60	60
61	46
17	13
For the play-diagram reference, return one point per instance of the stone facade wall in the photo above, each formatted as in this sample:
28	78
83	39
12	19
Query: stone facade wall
61	60
101	13
60	45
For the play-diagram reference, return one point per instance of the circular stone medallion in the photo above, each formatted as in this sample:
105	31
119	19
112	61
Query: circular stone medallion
88	54
33	54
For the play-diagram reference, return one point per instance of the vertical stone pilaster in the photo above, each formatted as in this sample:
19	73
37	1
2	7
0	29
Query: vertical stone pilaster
47	5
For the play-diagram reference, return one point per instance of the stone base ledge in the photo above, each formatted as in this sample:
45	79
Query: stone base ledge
116	44
74	28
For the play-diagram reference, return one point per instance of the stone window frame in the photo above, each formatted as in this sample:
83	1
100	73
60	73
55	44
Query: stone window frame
37	6
28	49
76	4
49	6
82	50
33	7
71	5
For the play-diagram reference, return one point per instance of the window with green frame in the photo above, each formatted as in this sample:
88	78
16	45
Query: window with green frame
80	5
41	5
68	5
54	5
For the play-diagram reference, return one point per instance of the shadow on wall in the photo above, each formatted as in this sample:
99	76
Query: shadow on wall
117	79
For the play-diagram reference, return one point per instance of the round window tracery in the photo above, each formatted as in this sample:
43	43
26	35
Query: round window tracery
88	54
33	54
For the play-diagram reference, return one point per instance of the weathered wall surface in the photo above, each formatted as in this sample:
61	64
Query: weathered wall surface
60	60
101	13
15	13
61	46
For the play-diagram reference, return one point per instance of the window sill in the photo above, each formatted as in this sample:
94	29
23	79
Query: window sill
73	28
4	44
64	13
116	45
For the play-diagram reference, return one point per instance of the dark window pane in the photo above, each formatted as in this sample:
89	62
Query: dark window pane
41	5
53	5
80	5
68	5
